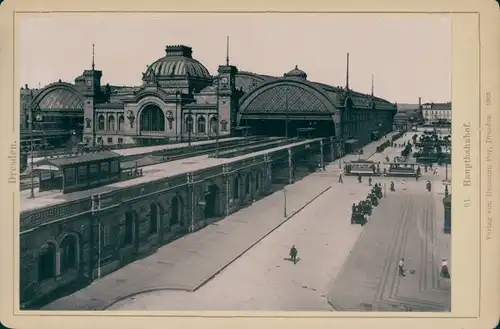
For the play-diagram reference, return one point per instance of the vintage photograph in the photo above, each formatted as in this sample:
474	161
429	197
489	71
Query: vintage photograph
203	161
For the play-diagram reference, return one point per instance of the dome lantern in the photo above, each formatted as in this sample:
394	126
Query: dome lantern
296	73
177	62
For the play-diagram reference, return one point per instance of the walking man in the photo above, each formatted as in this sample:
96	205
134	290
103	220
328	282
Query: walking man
340	178
401	267
293	254
445	273
370	181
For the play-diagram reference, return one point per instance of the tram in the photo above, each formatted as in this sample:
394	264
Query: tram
362	167
402	169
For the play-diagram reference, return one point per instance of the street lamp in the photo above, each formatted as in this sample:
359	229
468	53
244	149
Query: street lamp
286	113
284	206
190	127
35	115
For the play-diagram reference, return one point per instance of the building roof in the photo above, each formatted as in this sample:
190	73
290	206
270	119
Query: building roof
178	61
84	158
294	95
61	97
296	73
406	106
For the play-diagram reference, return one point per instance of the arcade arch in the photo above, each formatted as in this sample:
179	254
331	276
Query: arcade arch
47	261
176	217
69	253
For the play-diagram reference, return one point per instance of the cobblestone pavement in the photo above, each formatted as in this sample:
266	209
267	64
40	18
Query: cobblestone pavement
409	224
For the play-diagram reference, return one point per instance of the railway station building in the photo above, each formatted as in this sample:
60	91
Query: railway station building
179	100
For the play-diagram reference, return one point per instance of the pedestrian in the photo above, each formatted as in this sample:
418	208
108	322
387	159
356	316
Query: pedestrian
401	267
293	254
370	181
359	178
445	273
340	178
404	184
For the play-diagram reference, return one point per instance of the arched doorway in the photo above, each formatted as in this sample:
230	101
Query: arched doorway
121	123
213	125
154	214
47	261
111	123
236	188
152	119
100	124
202	125
189	124
130	228
212	202
247	184
177	206
69	253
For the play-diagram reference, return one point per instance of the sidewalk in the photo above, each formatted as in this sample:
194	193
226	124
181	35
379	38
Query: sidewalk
187	263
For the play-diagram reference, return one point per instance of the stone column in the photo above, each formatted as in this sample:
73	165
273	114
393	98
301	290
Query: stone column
269	172
58	263
226	184
290	167
332	152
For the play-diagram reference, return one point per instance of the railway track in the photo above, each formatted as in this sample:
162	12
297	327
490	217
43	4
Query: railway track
149	160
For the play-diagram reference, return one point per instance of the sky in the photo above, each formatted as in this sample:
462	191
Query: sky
409	55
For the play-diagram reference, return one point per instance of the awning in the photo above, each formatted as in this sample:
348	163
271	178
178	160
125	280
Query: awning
351	141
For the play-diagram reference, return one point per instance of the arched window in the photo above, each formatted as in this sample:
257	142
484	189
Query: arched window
111	123
153	218
213	125
202	124
236	188
152	119
47	262
69	256
224	125
121	123
176	207
100	120
129	228
247	184
189	124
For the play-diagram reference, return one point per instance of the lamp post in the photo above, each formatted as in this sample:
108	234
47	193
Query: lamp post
286	113
177	114
284	205
35	115
190	127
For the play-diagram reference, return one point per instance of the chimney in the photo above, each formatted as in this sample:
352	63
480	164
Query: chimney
419	102
26	86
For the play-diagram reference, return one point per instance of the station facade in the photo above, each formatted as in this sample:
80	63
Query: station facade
179	99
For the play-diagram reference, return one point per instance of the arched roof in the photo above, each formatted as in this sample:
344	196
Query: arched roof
59	96
296	96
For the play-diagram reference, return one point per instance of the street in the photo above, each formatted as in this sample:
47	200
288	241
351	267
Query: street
264	279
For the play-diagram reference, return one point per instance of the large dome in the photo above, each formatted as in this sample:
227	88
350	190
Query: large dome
178	61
